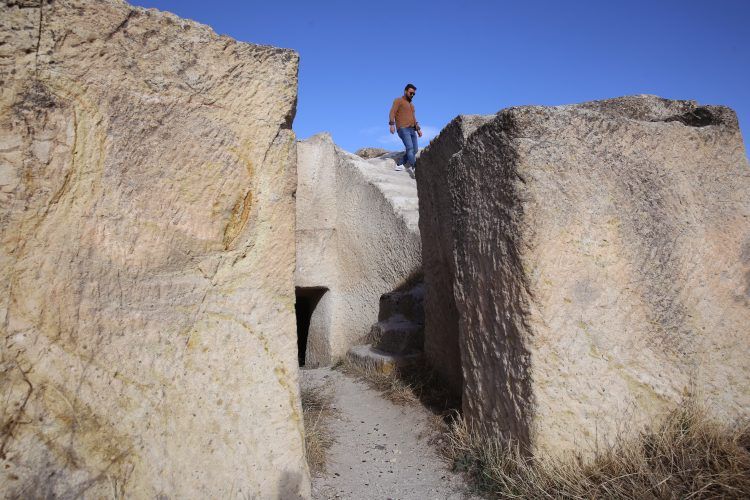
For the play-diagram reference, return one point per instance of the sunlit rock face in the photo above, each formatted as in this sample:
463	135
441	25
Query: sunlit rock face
601	267
147	172
357	238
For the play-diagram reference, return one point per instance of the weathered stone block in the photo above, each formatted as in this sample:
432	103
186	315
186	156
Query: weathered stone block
146	258
441	345
602	269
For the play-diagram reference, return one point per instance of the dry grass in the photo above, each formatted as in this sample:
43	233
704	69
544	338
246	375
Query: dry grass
415	384
688	456
317	410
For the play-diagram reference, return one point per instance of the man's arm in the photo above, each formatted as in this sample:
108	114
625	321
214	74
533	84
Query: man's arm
392	116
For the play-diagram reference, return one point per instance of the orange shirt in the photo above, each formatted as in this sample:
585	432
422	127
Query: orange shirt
402	114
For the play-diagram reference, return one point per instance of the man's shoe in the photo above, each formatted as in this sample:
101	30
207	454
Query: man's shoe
399	168
410	171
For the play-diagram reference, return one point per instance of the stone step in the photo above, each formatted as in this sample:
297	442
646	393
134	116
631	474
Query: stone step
407	303
369	357
397	335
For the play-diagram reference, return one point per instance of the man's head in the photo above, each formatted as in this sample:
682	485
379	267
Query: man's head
409	91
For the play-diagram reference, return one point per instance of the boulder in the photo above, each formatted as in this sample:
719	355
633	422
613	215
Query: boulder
601	260
368	153
147	173
357	238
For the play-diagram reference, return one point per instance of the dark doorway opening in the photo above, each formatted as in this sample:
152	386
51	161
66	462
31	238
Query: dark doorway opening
306	301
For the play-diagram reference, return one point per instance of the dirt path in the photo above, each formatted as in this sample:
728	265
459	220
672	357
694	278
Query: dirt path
381	449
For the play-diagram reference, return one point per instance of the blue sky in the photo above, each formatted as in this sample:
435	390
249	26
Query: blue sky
474	56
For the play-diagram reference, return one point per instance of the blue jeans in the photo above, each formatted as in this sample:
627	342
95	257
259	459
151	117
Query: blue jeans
408	136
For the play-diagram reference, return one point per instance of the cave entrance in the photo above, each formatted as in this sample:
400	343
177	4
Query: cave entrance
307	300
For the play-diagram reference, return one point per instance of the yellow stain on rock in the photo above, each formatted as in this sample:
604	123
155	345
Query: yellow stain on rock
238	219
242	208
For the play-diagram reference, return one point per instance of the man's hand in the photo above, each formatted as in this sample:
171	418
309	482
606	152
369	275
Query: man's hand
393	129
419	132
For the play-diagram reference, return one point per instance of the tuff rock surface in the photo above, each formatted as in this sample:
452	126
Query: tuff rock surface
357	238
441	344
601	266
146	258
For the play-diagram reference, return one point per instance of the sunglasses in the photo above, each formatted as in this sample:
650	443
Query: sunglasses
411	93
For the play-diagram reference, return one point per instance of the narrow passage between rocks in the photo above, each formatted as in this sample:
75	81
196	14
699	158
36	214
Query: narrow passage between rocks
382	450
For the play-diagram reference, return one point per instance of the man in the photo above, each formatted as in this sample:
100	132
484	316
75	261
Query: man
403	119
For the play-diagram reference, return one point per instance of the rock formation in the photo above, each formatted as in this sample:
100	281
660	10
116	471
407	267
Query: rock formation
441	345
357	238
397	339
599	259
368	153
146	257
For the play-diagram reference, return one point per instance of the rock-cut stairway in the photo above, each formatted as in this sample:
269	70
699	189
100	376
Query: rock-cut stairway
396	339
398	336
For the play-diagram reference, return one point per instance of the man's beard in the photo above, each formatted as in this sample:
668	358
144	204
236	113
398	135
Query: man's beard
408	98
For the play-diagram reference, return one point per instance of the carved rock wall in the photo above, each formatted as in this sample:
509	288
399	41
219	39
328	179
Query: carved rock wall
441	344
147	172
357	236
